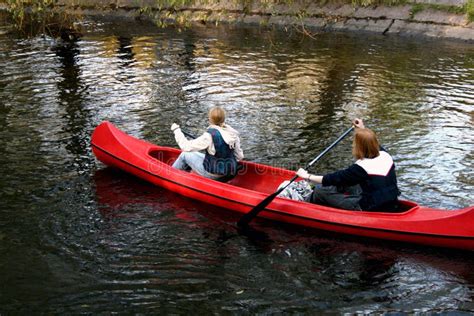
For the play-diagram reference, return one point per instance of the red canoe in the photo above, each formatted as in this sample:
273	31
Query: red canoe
416	224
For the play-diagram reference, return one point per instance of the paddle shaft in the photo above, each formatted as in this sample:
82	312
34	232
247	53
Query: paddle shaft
188	134
246	218
330	147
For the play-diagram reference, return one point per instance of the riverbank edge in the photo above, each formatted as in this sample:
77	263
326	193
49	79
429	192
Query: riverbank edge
426	18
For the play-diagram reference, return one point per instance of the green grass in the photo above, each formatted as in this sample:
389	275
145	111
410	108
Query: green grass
418	7
367	3
447	8
33	17
469	8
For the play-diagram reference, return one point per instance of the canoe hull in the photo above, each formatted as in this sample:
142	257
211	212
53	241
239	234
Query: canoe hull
419	225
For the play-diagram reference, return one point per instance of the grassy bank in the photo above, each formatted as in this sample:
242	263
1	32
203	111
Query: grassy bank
32	17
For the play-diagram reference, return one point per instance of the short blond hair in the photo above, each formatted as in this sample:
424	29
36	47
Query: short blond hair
217	115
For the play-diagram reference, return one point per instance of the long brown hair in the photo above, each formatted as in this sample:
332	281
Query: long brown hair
365	144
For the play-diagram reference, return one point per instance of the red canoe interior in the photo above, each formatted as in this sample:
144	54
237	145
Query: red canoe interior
251	176
256	177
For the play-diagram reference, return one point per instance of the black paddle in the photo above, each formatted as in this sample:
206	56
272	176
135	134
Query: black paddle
246	218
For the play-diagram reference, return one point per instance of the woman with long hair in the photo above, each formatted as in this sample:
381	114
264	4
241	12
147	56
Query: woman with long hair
370	184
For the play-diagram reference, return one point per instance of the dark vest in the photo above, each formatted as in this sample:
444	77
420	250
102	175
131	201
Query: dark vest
223	162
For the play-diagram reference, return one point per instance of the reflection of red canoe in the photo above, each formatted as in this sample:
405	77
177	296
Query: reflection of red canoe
416	224
118	193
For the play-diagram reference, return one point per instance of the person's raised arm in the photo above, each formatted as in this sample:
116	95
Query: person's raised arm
358	123
197	144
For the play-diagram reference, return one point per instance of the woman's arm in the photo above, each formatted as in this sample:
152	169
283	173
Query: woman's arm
346	177
350	176
308	176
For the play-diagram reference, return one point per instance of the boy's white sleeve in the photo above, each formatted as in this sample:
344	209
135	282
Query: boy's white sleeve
238	153
197	144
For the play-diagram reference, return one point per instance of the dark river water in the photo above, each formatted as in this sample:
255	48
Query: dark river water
77	237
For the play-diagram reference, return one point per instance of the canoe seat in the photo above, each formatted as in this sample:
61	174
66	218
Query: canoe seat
400	207
240	167
391	208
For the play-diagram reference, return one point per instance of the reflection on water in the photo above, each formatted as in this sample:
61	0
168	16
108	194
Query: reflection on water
88	240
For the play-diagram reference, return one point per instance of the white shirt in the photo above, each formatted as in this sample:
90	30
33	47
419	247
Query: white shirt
204	142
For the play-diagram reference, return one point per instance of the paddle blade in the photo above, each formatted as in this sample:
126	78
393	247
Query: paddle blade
246	218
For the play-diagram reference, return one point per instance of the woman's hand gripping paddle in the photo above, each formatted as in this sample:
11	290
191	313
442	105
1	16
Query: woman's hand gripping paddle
245	219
